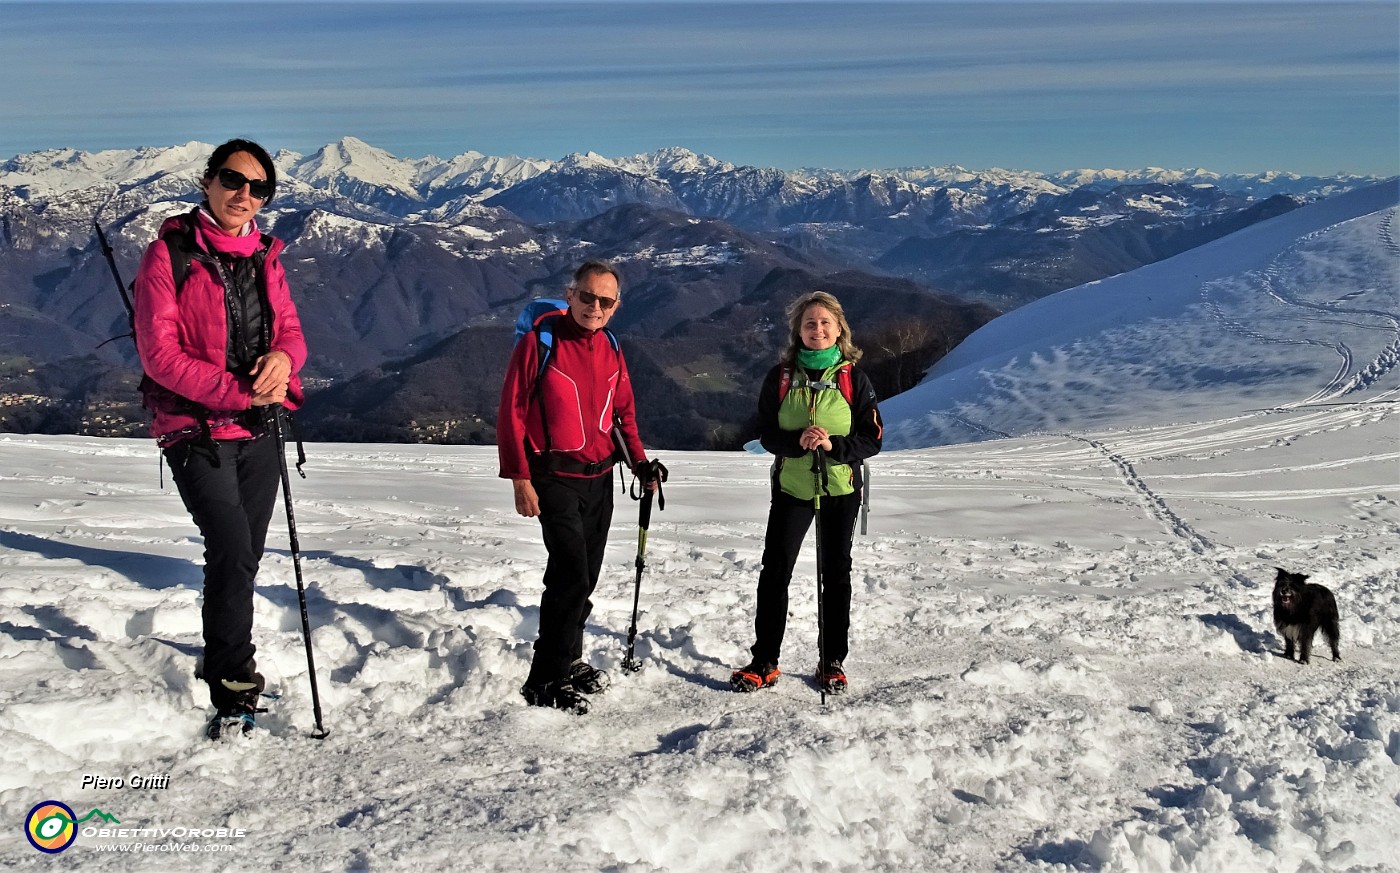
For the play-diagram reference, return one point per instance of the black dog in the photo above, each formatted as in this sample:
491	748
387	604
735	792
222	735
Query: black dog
1301	608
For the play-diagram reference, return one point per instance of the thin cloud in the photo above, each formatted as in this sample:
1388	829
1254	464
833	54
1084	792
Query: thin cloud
784	84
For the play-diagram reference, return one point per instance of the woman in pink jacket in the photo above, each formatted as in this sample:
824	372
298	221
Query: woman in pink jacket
221	346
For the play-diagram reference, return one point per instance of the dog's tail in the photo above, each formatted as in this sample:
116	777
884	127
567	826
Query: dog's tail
1331	622
1331	629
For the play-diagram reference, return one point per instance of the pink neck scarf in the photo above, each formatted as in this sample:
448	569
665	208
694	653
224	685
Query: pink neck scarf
241	246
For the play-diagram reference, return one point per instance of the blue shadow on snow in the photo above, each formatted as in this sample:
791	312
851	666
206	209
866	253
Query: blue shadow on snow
157	572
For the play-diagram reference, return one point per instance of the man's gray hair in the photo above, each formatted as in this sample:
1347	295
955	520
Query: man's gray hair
596	267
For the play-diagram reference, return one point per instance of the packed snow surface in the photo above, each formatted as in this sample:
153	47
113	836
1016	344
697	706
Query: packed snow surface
1063	652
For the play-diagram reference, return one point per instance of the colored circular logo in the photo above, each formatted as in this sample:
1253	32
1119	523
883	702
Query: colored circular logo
50	827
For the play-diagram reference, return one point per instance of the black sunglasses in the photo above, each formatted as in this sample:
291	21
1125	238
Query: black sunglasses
233	180
588	298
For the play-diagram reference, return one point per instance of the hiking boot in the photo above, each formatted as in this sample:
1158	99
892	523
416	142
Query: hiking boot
759	674
237	692
831	678
587	678
236	705
560	694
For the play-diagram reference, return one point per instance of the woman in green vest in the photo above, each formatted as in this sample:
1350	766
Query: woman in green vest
814	406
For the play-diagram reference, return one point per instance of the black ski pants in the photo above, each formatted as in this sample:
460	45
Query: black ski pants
231	502
788	521
574	516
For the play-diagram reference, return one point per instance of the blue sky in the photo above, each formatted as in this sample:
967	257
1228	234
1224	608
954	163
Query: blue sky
1311	88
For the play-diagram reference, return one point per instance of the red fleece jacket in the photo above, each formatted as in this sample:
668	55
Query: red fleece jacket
585	381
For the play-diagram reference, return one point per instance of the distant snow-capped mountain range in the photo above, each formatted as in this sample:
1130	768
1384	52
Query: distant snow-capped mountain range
983	234
904	221
408	271
430	181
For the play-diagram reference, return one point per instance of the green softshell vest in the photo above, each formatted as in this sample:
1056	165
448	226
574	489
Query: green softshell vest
826	408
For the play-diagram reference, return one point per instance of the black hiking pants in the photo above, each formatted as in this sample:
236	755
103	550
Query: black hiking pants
574	516
788	521
231	502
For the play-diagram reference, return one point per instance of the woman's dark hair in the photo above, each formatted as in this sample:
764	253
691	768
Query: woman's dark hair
232	147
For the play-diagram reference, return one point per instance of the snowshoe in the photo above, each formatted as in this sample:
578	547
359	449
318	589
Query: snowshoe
560	694
588	679
755	676
831	678
230	725
236	705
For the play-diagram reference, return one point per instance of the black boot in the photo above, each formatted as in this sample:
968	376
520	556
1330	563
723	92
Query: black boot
587	678
560	694
831	677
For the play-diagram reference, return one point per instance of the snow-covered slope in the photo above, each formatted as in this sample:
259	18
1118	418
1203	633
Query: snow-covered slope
1062	657
1308	298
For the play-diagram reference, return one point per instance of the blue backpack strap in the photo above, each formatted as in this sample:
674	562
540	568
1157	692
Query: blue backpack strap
537	318
544	339
543	330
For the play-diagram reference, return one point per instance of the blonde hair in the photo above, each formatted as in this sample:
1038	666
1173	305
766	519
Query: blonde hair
798	308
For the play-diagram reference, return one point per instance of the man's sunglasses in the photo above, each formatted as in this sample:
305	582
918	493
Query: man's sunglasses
588	298
233	180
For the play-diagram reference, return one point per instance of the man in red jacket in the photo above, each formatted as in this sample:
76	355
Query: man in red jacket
554	434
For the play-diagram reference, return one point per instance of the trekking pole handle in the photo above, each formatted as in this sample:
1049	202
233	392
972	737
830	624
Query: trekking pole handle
647	472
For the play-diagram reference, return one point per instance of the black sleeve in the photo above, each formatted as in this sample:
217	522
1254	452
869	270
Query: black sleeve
867	432
775	440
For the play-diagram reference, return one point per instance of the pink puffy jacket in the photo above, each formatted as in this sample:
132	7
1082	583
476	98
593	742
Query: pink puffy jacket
182	339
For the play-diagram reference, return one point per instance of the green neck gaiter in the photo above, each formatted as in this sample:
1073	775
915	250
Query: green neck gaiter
818	360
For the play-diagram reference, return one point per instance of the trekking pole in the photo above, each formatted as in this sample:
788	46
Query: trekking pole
112	263
272	417
653	470
818	467
864	496
117	277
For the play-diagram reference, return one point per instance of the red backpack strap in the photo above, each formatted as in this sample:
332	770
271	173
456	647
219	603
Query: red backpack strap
784	381
843	382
